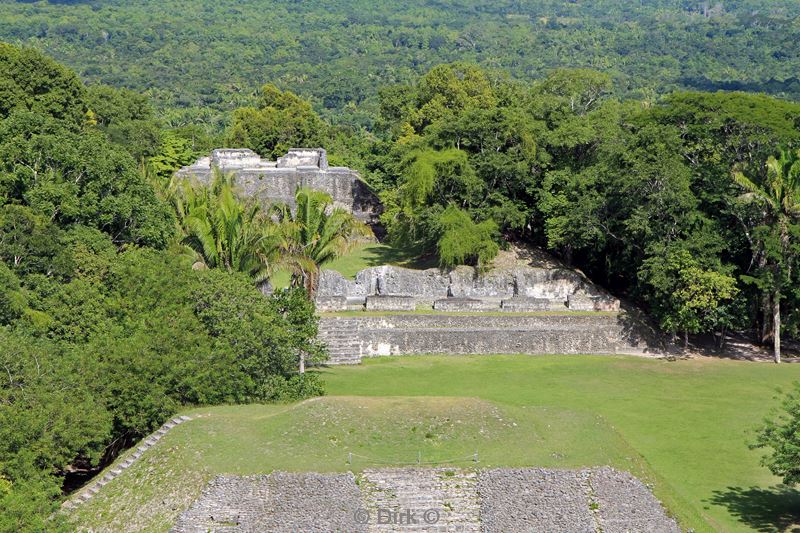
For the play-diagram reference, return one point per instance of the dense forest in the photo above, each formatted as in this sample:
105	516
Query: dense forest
199	60
124	295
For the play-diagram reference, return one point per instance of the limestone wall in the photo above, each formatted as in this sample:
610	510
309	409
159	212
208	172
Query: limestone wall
428	286
351	338
275	182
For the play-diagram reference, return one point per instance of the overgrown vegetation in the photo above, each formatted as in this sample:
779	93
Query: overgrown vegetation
201	60
124	296
105	328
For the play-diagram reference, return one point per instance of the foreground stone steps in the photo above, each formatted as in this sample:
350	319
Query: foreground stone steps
112	472
438	498
519	500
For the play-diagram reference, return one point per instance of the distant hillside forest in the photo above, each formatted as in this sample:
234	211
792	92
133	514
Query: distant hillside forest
199	60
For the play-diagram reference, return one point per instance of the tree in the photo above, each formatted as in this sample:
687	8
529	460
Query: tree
779	194
281	121
224	231
31	81
687	297
781	433
313	234
464	242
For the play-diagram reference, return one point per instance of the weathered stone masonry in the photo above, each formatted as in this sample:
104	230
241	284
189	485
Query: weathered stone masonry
351	338
524	500
275	182
470	313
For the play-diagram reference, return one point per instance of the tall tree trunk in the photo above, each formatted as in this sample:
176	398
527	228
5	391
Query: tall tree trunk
776	324
767	310
302	362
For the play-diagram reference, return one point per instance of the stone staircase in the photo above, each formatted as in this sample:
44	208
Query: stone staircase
342	339
441	499
116	469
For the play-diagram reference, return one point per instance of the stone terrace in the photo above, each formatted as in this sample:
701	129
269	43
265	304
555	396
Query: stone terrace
524	500
516	309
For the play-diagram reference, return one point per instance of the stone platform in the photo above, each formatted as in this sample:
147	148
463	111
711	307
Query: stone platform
350	338
524	500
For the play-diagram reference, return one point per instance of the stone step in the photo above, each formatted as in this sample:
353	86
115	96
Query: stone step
449	493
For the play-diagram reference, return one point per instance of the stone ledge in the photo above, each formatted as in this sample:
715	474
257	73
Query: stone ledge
391	303
464	304
527	303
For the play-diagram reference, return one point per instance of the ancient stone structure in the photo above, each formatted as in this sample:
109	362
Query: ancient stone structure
277	181
351	338
441	499
279	502
519	288
464	314
122	464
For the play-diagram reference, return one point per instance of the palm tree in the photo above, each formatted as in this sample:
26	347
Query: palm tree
221	231
313	234
779	193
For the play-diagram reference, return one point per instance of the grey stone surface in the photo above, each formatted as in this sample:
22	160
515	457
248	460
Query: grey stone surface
427	286
529	303
280	503
277	181
465	304
351	338
327	304
465	500
381	302
625	504
442	499
533	500
581	301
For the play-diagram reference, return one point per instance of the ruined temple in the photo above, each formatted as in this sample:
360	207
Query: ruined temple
275	182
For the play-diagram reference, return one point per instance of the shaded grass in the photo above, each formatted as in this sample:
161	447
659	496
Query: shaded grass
362	257
324	434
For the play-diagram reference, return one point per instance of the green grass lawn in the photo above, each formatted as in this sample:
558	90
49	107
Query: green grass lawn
681	426
338	433
690	420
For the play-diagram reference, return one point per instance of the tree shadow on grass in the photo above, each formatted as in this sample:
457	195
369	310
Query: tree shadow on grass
387	255
769	510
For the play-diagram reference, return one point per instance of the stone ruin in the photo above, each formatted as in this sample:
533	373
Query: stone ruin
274	182
517	309
524	500
513	289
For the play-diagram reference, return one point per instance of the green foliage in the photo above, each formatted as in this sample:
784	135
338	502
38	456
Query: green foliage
281	121
686	296
13	301
81	178
777	229
465	242
32	82
173	153
781	434
200	60
104	336
222	230
313	234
